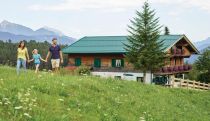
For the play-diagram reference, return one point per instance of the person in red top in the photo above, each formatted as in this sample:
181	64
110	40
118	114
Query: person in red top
56	55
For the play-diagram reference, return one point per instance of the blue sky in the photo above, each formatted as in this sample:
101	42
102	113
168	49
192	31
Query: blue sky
78	18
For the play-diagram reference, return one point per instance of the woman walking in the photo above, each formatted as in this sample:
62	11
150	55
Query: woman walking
22	56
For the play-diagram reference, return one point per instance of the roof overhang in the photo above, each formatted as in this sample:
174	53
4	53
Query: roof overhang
191	44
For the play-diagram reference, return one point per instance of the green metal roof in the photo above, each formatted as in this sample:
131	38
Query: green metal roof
111	44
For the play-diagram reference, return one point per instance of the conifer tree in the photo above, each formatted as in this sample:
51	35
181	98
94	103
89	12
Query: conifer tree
145	50
167	32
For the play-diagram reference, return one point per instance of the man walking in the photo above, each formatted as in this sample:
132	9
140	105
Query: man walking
56	55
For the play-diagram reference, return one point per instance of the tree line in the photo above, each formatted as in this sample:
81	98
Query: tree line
201	68
8	53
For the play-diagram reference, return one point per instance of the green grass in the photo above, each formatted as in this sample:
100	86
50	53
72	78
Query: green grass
77	98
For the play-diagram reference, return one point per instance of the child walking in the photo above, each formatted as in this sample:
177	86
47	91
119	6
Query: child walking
36	58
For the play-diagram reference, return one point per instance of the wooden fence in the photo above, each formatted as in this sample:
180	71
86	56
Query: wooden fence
181	83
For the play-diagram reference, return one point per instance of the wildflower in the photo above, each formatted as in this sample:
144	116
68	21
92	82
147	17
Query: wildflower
33	100
1	79
62	84
27	94
5	99
27	100
1	103
142	119
19	107
105	114
61	100
68	109
29	89
27	115
39	76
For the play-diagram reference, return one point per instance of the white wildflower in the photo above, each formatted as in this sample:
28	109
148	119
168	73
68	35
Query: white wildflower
33	100
61	100
1	103
142	119
105	114
19	107
62	84
1	79
27	100
27	94
27	115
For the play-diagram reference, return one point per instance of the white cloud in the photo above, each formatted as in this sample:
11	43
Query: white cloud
89	4
116	5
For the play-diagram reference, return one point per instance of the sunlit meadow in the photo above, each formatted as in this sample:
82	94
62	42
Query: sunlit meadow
47	97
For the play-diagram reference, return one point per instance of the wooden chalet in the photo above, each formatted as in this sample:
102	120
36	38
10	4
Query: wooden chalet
105	55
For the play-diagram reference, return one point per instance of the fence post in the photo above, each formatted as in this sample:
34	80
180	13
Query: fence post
194	84
173	81
181	83
187	84
208	86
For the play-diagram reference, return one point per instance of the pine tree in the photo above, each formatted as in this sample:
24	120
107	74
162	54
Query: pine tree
203	66
167	32
145	50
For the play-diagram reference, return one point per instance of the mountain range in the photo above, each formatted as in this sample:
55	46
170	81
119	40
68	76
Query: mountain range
17	32
201	46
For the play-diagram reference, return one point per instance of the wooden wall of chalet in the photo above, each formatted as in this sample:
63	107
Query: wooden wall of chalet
106	59
179	59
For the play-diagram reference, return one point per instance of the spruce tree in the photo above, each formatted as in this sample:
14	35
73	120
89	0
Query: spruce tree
167	32
203	66
144	49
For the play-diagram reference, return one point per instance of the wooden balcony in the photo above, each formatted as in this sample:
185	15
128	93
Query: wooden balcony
174	70
178	53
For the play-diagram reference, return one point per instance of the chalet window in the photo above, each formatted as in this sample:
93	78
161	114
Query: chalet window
78	62
97	62
117	62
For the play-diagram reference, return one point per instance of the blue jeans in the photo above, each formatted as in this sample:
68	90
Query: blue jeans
19	63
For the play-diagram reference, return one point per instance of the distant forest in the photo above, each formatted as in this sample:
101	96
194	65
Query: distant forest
8	53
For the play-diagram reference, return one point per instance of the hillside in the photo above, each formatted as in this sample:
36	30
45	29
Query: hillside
65	98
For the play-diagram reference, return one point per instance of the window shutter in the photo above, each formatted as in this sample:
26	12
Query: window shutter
97	62
77	61
113	62
122	62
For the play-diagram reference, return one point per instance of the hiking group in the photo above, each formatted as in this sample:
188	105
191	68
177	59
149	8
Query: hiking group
23	56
